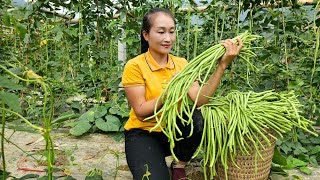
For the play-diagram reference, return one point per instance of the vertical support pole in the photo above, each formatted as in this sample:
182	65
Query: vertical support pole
122	54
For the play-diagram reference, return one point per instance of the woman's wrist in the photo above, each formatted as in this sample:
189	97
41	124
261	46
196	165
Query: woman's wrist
223	66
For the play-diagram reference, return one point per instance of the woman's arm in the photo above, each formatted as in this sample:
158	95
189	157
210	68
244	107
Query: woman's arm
232	50
141	107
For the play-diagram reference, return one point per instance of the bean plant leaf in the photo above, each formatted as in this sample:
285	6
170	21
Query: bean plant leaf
26	38
111	124
70	178
87	116
299	149
100	111
297	83
76	105
293	163
6	19
95	177
285	148
278	158
4	172
296	177
102	124
21	29
113	110
43	178
278	170
313	161
315	150
5	82
305	170
11	100
58	36
22	127
315	140
80	128
28	176
113	119
64	117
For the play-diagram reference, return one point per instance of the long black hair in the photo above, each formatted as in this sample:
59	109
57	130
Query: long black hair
146	25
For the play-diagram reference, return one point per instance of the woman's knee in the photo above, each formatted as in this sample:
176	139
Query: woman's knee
145	155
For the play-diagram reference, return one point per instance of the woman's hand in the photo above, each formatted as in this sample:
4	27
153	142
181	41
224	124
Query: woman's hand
232	50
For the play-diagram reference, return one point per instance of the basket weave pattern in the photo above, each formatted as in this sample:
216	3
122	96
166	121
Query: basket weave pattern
252	167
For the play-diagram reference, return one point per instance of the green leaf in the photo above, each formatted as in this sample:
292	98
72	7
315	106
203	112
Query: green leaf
114	110
285	148
28	176
80	128
278	158
64	117
315	150
6	19
102	125
22	127
278	170
299	150
5	82
2	173
118	137
100	111
313	161
113	119
22	30
94	174
305	170
294	162
26	38
11	100
43	178
112	123
69	178
95	177
297	83
76	105
87	116
297	177
315	140
58	36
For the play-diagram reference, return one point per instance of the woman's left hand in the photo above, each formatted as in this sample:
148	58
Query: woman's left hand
232	50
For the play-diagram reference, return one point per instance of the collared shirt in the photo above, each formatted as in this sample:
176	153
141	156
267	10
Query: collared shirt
144	70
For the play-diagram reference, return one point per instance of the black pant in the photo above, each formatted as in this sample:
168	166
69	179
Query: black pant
147	151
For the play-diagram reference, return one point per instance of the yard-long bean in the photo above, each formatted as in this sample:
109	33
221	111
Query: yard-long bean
247	117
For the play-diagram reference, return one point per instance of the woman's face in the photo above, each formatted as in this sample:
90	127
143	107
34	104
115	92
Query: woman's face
161	35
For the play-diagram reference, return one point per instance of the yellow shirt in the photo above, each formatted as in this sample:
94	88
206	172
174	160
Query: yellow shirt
144	70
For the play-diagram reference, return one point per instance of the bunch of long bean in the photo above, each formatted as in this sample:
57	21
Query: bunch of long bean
175	98
238	117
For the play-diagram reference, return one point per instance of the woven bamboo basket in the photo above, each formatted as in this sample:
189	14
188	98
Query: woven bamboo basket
252	167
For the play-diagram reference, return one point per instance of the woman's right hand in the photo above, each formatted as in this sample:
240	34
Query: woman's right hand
232	50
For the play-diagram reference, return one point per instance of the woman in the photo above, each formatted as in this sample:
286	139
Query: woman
144	79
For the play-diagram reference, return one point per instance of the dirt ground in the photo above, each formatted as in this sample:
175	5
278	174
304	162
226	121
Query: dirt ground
77	156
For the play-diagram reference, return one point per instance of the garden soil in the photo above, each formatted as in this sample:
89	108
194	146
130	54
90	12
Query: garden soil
76	156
